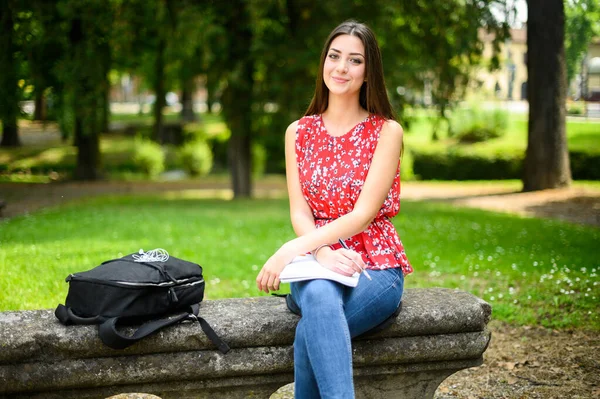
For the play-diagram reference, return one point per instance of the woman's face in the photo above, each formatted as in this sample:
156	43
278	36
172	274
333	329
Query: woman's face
344	68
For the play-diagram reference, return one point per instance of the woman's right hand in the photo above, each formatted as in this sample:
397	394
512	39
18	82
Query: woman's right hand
342	261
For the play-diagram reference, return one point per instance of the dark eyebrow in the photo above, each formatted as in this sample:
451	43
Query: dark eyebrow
338	51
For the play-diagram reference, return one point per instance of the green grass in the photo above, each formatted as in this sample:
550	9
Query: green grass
532	271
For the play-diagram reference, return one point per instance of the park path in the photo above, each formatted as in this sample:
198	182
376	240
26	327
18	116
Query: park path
575	204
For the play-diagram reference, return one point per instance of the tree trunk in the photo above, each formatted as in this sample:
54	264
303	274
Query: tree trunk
10	133
237	109
106	62
187	101
237	101
240	163
159	90
88	153
547	157
9	89
86	86
39	113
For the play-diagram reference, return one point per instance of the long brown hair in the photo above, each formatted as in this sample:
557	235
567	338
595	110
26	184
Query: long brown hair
373	95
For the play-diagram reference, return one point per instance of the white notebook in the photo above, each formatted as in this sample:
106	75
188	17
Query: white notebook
305	267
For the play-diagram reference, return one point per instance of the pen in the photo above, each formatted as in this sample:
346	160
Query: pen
343	244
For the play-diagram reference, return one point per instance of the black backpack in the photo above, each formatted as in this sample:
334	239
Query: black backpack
152	288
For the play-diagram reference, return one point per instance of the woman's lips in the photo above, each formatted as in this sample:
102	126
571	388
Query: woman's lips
339	80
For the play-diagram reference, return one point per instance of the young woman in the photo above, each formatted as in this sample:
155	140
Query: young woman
343	177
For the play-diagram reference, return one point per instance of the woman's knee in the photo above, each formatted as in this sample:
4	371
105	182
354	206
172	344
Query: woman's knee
318	294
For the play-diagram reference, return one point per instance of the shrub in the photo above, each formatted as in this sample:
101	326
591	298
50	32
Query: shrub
473	125
458	165
197	158
194	132
575	108
148	157
585	165
406	166
259	160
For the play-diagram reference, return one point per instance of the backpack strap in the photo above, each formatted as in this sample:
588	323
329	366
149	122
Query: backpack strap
113	338
208	330
66	316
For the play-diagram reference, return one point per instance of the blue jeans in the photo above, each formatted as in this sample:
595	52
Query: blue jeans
332	314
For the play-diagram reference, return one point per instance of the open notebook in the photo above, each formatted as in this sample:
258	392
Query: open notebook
305	267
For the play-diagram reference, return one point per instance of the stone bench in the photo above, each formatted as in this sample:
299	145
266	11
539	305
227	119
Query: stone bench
438	332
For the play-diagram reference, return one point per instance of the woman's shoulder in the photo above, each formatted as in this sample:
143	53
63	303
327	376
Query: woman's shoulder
390	127
305	123
307	120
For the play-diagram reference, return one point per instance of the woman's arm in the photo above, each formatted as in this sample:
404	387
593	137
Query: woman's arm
300	212
374	192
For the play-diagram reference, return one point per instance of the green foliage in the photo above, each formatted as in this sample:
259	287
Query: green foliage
474	125
10	56
259	160
575	108
459	164
216	135
581	25
407	166
148	157
196	158
531	271
585	165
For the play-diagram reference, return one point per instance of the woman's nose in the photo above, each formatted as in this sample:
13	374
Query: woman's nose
342	67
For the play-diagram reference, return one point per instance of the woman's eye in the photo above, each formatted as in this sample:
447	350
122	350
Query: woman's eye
356	61
333	56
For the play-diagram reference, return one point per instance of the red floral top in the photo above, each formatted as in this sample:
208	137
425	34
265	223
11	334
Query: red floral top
332	172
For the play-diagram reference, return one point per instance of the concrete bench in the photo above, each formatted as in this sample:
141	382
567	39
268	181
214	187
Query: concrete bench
438	332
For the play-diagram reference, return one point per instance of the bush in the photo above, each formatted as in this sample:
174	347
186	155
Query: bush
259	160
406	166
474	125
197	158
148	157
575	108
457	165
585	165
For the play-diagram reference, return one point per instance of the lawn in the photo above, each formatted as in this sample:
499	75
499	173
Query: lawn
532	271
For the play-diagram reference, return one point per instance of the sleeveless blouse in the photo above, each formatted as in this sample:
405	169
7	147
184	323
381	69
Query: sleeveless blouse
332	172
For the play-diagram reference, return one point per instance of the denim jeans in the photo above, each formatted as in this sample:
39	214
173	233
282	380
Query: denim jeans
332	314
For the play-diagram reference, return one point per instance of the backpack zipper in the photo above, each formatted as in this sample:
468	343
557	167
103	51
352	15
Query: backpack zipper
178	283
160	268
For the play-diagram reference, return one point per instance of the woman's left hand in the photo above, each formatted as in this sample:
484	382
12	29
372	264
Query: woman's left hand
268	277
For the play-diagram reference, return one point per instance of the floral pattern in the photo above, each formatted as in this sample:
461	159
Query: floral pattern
333	170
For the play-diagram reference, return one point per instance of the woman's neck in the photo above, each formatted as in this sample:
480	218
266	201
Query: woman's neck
344	110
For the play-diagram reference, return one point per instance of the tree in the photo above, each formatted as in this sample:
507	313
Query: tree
547	157
237	99
439	44
9	76
83	72
582	23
